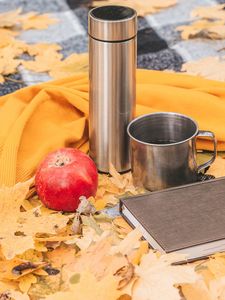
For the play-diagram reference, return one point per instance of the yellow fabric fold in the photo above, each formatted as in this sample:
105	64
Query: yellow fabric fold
39	119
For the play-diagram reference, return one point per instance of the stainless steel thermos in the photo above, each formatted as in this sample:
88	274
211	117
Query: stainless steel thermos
112	62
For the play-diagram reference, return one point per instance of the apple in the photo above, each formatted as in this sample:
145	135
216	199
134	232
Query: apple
63	177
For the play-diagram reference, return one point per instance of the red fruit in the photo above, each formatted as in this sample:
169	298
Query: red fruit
63	177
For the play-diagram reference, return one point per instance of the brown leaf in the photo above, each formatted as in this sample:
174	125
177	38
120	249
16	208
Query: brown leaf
125	273
142	7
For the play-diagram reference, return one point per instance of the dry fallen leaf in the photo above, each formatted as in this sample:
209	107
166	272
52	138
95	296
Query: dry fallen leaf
217	168
11	49
157	278
130	242
33	20
10	19
26	281
142	7
16	268
203	29
211	23
208	67
43	62
215	12
70	65
19	228
89	288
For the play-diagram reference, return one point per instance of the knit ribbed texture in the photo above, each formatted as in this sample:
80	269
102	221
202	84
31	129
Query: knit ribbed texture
39	119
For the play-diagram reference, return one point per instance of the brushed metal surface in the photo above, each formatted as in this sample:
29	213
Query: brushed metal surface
164	150
119	28
112	102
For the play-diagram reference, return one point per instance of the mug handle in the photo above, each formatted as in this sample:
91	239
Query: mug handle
203	133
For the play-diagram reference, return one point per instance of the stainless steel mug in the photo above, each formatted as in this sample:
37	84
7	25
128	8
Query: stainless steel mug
164	150
112	62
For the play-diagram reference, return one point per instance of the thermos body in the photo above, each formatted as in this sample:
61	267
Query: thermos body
112	63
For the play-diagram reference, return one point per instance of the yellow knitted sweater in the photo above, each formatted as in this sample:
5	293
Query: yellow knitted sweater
39	119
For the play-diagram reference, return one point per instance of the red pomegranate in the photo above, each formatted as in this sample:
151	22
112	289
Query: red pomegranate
63	177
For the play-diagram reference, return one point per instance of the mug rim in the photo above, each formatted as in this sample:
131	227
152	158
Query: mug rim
162	113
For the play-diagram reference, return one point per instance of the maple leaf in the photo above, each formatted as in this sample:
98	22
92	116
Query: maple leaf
26	281
208	67
142	7
72	64
215	12
39	48
11	18
196	291
32	20
217	168
97	260
44	61
89	288
203	29
157	278
211	25
19	228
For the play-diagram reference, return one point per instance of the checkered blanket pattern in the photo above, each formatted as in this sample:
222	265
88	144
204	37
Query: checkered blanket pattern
160	46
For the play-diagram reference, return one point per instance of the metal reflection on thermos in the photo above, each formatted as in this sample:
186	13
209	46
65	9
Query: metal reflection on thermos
112	61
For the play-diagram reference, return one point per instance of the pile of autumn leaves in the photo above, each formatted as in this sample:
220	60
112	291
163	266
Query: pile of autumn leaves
208	23
87	254
40	57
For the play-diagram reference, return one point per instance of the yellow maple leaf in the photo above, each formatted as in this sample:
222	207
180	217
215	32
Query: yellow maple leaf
62	255
69	66
157	278
203	29
89	288
217	168
196	291
44	61
18	229
26	281
142	7
210	25
11	18
40	48
131	242
215	12
16	268
32	20
6	37
208	67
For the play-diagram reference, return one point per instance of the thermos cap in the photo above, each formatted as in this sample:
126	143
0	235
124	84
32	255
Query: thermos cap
112	23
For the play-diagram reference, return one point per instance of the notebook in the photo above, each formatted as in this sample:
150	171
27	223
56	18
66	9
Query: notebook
189	219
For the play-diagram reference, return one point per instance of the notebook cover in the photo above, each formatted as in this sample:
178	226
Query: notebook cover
182	217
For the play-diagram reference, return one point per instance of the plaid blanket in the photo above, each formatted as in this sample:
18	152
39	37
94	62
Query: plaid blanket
160	46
